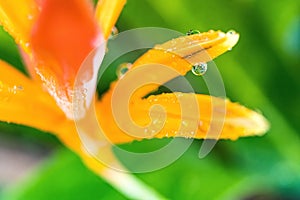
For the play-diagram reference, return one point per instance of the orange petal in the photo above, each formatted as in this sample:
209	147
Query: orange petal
184	52
179	54
238	120
107	13
24	102
18	19
202	47
64	34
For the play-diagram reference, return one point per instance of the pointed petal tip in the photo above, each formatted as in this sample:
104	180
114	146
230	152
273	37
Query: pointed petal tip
232	38
253	124
258	125
201	47
107	14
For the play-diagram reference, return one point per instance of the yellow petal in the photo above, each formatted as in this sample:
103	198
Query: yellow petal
184	52
179	54
18	19
213	112
23	102
107	13
238	120
202	47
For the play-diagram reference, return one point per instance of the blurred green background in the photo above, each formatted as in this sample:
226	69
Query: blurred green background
261	72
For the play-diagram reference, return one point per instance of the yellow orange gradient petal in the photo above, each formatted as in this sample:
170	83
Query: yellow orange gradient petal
239	121
107	13
24	102
202	47
179	54
18	17
184	52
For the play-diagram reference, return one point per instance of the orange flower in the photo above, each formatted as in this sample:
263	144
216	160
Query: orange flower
56	36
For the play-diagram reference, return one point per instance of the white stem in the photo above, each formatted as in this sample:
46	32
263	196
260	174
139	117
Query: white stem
129	185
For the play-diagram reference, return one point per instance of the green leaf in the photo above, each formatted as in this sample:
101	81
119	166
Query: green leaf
62	177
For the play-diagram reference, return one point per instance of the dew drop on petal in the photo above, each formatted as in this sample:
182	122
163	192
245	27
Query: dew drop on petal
230	32
30	17
14	90
199	69
184	123
122	69
200	123
114	32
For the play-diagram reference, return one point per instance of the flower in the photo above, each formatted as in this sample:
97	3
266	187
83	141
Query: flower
56	36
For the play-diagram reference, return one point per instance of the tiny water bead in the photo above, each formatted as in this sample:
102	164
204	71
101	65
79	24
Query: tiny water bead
122	69
15	89
192	32
114	32
30	17
231	32
8	92
199	69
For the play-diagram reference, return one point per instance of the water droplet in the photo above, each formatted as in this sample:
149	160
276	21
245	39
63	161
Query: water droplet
192	32
184	123
179	94
114	32
200	123
231	32
122	69
30	17
152	99
174	133
199	69
187	137
157	122
15	89
20	87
